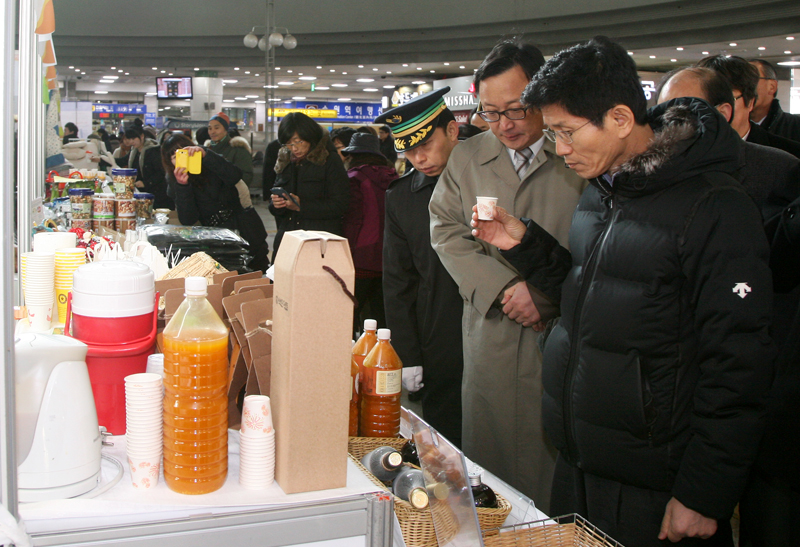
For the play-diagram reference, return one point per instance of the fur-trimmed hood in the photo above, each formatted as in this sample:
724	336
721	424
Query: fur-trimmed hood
241	142
317	155
691	137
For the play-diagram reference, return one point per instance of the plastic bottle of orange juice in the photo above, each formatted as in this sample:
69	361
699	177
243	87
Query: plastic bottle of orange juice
361	348
380	390
195	397
354	376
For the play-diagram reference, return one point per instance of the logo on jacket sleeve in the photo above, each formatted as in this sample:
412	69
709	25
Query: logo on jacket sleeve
742	289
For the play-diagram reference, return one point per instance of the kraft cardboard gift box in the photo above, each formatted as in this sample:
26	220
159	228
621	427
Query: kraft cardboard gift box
311	343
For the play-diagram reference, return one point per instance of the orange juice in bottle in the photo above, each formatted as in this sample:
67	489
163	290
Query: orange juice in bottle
381	383
195	395
361	348
354	375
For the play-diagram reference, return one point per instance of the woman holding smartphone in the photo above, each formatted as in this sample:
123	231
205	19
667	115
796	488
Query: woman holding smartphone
311	190
210	196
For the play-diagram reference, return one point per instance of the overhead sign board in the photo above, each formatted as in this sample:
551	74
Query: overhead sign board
108	108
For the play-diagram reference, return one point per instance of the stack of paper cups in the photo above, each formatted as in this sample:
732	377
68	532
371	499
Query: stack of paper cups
256	444
144	411
50	242
67	261
37	286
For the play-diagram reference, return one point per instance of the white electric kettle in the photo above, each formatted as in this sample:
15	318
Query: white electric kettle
58	439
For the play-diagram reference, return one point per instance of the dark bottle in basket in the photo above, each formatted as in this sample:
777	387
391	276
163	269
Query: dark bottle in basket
409	453
483	495
409	485
384	462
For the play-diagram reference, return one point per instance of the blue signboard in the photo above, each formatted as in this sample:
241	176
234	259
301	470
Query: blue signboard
119	108
150	118
346	111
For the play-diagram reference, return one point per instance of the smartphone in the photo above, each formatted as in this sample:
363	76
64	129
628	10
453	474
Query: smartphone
182	158
280	192
193	164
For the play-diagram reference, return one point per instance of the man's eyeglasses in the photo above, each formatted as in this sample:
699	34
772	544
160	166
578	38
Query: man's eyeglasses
492	116
564	136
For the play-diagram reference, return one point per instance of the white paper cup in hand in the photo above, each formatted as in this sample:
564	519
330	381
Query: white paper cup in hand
256	416
486	207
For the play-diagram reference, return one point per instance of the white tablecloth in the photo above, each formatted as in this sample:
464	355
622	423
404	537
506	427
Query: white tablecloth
122	504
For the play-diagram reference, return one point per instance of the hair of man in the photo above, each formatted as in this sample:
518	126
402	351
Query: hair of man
715	86
507	54
587	80
741	75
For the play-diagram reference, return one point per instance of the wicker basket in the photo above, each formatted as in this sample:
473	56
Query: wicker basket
566	531
417	524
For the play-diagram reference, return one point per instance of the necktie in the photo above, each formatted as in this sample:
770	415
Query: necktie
521	159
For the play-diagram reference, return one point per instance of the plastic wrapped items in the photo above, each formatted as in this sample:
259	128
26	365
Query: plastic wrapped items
98	223
126	208
103	206
124	182
144	205
81	203
82	223
124	224
222	244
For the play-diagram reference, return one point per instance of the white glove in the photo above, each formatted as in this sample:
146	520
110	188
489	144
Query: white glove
412	379
108	158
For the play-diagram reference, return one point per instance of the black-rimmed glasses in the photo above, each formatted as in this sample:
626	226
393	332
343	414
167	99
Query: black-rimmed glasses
492	116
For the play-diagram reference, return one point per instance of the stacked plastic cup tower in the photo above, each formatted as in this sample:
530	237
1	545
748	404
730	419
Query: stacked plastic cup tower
67	261
38	275
256	444
144	400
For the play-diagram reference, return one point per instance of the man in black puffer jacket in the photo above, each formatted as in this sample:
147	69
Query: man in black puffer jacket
655	377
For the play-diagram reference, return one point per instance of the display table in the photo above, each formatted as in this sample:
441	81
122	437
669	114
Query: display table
231	516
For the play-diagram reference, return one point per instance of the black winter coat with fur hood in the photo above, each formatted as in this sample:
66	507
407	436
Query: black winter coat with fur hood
321	183
655	376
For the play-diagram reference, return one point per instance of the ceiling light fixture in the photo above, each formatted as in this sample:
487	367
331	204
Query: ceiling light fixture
319	67
704	52
787	52
344	99
446	64
418	82
308	78
252	96
107	81
196	68
230	81
299	98
679	48
388	87
761	48
360	66
790	37
405	64
365	80
285	83
322	88
462	67
155	68
228	100
789	63
338	85
101	92
733	44
652	56
370	89
673	60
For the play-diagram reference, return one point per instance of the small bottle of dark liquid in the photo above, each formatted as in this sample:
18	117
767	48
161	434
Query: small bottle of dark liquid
409	453
384	462
484	496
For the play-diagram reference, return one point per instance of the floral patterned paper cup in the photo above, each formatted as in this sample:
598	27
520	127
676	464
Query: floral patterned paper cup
145	470
256	416
486	206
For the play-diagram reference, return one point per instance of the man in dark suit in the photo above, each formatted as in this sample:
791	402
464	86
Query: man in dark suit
772	178
743	78
767	111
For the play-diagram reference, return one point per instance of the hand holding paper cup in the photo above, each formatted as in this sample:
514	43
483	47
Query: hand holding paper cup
486	206
504	231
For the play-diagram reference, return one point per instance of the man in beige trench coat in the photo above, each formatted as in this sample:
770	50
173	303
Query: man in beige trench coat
502	387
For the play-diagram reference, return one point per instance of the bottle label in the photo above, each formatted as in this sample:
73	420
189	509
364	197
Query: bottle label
382	382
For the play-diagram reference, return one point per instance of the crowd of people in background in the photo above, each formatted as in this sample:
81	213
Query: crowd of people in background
622	339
